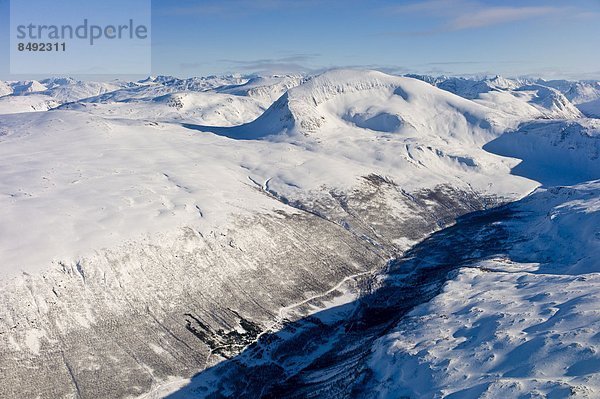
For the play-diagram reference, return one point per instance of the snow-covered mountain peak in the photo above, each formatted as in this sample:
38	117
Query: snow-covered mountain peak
51	83
264	88
550	101
27	86
522	98
501	82
348	101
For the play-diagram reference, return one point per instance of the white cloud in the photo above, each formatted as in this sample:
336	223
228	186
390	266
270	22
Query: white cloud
498	15
469	14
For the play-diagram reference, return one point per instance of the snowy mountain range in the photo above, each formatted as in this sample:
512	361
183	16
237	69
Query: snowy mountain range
346	234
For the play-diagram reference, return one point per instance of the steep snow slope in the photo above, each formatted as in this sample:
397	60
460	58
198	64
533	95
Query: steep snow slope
562	233
522	323
590	109
553	152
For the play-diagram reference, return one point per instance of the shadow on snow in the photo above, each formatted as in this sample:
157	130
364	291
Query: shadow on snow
324	354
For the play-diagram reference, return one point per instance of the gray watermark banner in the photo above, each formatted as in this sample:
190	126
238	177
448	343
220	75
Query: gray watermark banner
76	37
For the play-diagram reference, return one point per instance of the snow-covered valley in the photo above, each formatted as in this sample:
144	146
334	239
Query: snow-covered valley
350	234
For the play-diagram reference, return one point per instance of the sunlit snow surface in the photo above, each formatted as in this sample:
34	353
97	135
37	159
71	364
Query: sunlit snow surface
90	176
525	323
91	168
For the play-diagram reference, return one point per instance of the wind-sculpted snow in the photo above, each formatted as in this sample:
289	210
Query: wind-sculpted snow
350	101
564	234
155	230
500	335
523	322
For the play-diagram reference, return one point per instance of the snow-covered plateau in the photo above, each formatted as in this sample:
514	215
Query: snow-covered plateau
348	234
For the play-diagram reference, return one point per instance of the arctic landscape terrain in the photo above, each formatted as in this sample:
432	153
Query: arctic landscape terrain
348	234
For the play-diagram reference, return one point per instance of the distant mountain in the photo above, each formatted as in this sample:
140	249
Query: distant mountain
27	86
212	109
264	88
472	88
522	97
34	102
577	92
78	90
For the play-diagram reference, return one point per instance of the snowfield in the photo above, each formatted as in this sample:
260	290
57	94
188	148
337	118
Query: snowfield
525	323
349	234
497	335
30	103
114	173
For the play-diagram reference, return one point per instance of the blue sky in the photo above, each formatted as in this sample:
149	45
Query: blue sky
552	39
